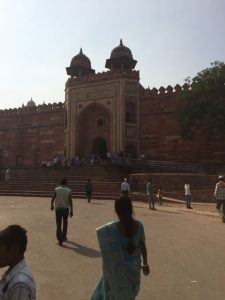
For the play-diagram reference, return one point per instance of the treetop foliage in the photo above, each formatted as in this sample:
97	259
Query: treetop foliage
202	107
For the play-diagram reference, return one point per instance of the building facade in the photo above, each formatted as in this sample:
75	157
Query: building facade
108	111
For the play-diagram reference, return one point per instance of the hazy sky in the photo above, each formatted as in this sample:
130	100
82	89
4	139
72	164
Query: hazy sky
170	39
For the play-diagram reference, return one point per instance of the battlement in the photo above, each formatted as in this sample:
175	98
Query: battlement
26	110
102	76
164	91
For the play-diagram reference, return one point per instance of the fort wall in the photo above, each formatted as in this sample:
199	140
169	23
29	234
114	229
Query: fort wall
29	135
159	132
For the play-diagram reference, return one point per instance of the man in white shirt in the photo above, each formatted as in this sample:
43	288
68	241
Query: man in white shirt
63	203
125	187
219	194
17	283
187	194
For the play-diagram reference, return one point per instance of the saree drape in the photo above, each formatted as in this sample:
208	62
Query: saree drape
121	271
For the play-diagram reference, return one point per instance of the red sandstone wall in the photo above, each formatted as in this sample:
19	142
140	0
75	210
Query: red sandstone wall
159	133
29	135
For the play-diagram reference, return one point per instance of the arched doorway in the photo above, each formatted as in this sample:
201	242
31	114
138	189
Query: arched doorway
93	131
100	147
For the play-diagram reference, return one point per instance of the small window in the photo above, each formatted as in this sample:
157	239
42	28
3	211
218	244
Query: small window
100	122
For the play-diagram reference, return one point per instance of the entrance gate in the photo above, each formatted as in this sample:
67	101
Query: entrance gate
100	147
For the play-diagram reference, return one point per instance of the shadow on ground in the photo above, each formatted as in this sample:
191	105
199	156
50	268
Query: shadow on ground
82	250
98	203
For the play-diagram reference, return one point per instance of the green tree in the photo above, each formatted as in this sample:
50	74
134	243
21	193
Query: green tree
201	108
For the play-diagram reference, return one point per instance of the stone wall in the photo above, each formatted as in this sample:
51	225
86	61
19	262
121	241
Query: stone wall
29	135
159	132
202	186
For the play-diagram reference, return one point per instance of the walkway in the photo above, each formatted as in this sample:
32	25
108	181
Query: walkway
186	249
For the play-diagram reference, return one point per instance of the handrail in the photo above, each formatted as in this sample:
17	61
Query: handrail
156	164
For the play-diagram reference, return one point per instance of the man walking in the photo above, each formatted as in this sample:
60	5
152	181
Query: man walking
219	194
63	208
17	282
125	187
150	193
89	190
187	194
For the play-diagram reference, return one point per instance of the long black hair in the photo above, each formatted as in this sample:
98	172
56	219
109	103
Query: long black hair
124	210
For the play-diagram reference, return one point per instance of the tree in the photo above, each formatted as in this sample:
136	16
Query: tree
201	108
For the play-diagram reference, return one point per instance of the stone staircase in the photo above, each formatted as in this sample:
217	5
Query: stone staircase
41	182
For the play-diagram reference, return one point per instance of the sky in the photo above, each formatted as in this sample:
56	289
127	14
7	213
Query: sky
170	39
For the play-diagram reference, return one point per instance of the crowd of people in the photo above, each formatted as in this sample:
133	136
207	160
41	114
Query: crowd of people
109	158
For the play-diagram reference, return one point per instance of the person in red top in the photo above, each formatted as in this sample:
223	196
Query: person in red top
219	194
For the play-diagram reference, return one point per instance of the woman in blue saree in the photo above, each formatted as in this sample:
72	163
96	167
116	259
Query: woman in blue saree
121	244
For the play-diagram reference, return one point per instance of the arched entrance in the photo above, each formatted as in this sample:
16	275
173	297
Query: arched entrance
93	131
100	147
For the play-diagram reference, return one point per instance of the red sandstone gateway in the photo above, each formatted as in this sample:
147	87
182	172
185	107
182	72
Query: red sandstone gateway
108	111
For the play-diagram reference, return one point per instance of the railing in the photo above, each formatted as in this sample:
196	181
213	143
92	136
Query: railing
135	165
155	165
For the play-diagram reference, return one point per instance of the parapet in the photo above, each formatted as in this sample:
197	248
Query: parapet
165	91
26	110
102	76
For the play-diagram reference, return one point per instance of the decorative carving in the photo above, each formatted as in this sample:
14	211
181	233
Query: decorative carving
103	76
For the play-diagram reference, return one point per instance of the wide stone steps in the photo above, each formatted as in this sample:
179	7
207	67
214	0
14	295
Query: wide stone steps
42	182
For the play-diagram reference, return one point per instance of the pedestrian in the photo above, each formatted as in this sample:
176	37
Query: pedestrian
7	174
63	208
89	189
187	194
150	193
17	282
219	194
124	255
160	195
218	202
125	187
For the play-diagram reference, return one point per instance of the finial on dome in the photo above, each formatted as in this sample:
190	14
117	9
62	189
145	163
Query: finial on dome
121	42
81	51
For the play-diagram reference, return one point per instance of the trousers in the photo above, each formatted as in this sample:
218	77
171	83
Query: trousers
61	223
188	200
151	200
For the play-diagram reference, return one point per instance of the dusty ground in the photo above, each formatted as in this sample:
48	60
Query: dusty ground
186	249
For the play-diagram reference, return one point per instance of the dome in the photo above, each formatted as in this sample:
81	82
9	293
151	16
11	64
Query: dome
80	65
81	60
31	103
121	51
121	58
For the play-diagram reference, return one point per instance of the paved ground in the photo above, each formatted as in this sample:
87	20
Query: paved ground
186	249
